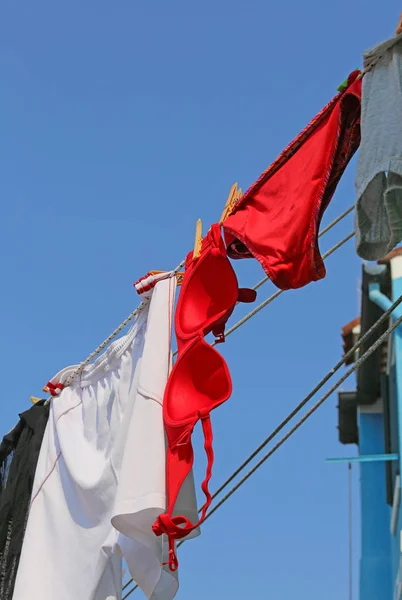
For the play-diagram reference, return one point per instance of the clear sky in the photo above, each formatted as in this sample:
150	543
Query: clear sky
122	123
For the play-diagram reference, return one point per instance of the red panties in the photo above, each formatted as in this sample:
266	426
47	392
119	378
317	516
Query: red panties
278	217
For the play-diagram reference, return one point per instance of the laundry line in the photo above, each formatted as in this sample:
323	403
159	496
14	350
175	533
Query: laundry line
304	418
385	315
312	410
103	345
279	292
145	301
114	333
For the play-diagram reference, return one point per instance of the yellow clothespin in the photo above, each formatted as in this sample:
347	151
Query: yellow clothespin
34	399
198	239
399	26
233	197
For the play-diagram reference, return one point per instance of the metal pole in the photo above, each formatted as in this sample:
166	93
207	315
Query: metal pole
350	534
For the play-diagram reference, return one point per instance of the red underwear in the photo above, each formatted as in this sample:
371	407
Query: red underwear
278	217
200	380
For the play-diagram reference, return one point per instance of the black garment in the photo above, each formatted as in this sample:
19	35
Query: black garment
19	452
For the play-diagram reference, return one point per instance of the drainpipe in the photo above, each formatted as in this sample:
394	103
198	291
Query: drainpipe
385	303
376	296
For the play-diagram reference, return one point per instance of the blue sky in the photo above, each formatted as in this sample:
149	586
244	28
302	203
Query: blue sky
122	123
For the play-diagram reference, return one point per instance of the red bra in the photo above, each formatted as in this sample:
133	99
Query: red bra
200	380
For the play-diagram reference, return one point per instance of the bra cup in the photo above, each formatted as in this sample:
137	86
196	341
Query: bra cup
209	293
192	389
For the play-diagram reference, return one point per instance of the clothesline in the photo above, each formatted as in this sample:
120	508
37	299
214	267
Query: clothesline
130	317
279	292
297	409
145	301
313	392
114	333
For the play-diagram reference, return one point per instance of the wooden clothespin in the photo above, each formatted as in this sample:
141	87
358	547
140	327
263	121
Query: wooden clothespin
399	26
34	399
198	239
233	197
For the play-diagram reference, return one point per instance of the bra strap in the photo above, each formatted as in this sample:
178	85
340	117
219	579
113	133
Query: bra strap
179	527
245	295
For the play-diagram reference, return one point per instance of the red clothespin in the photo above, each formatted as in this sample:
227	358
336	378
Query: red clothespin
179	275
53	390
146	283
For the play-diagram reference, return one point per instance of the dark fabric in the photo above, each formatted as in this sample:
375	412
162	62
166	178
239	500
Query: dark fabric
19	452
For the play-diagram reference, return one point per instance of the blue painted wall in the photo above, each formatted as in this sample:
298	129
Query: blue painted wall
396	405
375	566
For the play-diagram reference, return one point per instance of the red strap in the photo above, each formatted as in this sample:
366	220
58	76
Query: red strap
247	295
179	527
172	562
208	439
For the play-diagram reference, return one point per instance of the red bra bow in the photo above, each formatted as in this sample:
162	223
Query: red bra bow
200	379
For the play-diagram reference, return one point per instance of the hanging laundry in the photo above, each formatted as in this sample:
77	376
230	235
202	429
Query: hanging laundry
378	220
19	453
200	380
278	217
100	480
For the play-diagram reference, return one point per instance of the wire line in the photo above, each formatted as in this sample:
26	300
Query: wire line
308	413
310	395
298	424
144	302
279	292
322	232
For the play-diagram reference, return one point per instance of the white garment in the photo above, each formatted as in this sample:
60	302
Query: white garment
100	479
